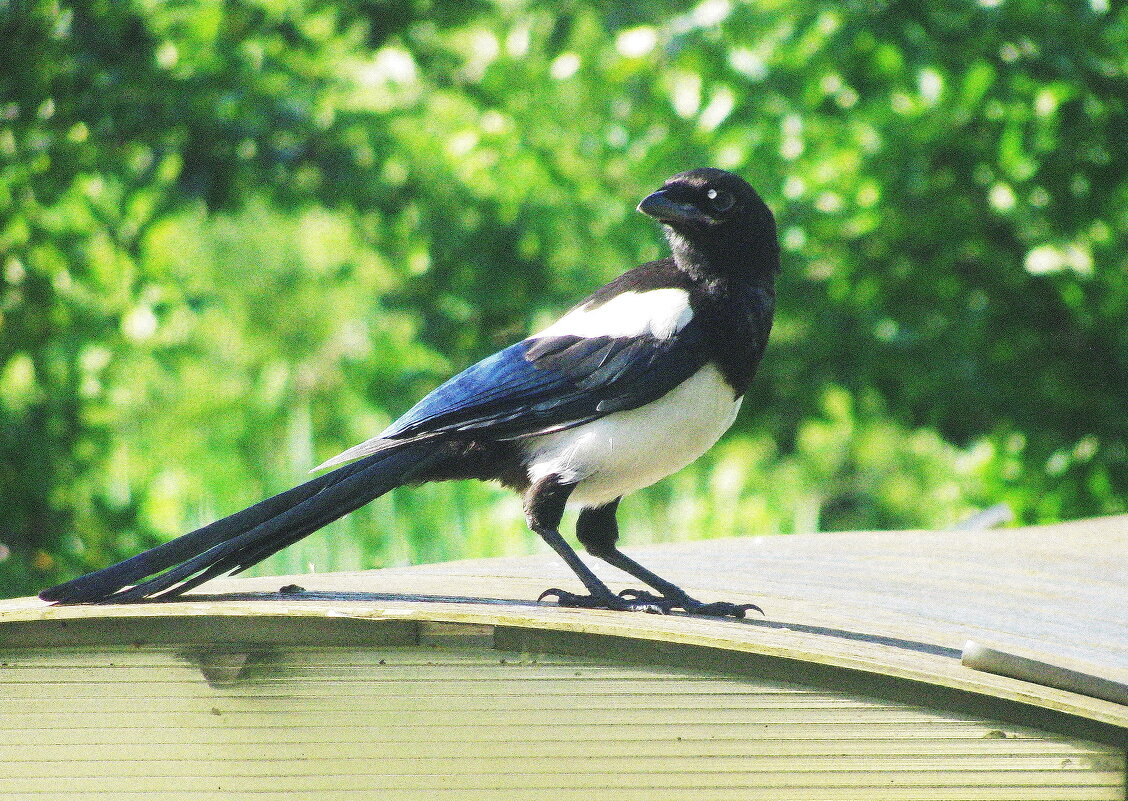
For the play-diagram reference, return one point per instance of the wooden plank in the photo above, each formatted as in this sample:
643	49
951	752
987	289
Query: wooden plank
738	637
642	746
882	793
876	602
700	737
951	770
223	697
877	793
63	786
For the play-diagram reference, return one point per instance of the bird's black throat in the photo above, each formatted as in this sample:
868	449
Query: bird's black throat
708	254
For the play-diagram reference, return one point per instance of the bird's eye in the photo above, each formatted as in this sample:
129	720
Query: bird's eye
720	200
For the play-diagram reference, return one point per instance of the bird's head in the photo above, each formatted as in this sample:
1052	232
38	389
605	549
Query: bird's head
715	221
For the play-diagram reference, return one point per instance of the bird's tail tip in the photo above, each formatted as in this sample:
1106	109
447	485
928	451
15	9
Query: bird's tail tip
236	542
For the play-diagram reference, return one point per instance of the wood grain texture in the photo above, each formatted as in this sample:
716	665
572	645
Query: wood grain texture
447	681
436	722
898	603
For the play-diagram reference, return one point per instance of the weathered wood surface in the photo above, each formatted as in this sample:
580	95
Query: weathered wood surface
898	604
429	722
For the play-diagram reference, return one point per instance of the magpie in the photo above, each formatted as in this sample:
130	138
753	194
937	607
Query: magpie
629	386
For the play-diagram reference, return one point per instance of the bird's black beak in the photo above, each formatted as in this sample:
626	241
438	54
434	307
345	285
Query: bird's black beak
663	208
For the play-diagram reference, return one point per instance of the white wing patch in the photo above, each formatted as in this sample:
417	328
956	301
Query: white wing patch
658	312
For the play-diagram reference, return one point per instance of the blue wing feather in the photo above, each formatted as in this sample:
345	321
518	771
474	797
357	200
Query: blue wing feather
549	383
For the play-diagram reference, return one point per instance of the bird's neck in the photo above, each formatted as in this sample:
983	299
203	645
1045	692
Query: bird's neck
726	260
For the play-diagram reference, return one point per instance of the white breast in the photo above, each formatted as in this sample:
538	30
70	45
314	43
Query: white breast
626	451
660	313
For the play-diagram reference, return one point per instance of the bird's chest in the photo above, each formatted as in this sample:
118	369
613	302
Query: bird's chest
626	451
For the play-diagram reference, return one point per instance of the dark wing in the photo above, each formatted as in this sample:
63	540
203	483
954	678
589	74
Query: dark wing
555	382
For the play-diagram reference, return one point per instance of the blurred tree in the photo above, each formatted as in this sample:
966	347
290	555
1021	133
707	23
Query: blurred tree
235	229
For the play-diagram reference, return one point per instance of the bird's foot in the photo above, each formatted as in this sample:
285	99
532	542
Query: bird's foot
682	601
643	601
617	603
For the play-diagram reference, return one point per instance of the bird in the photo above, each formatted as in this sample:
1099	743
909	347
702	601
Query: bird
631	385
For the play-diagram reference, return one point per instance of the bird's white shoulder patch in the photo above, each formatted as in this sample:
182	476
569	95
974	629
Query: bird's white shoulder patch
660	313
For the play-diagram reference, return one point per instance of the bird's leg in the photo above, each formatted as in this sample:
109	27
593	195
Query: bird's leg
544	508
598	530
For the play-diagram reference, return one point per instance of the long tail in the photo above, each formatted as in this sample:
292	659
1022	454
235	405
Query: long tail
247	537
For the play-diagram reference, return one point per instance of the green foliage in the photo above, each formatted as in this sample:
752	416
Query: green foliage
238	237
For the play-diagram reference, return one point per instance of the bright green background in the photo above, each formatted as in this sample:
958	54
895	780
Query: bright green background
237	237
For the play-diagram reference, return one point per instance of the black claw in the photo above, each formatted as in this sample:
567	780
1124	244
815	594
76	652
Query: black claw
570	599
723	609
